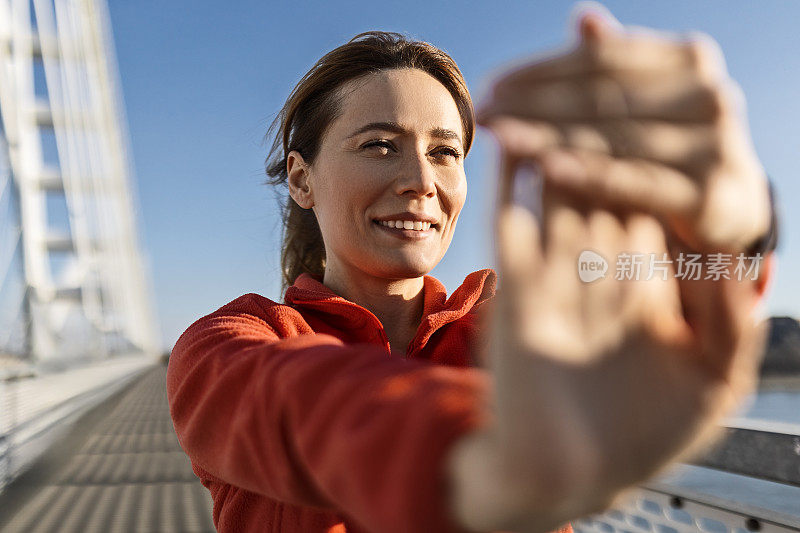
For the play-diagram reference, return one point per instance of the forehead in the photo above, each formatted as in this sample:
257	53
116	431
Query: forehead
409	97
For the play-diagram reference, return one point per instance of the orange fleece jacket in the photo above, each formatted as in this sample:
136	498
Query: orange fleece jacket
298	418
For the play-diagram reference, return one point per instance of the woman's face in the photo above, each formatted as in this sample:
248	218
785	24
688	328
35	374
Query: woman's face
393	157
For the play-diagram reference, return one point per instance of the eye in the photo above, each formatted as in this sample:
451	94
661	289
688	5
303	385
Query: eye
382	146
447	152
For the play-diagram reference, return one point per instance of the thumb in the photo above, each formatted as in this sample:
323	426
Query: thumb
593	21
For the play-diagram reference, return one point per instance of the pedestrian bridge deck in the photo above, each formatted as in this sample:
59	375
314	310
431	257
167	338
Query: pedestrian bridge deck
120	468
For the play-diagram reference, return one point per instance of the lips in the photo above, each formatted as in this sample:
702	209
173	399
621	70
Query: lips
406	234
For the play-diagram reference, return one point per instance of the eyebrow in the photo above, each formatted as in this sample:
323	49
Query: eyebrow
394	127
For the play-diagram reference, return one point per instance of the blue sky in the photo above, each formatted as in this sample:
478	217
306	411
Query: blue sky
202	81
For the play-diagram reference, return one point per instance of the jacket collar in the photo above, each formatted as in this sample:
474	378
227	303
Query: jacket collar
437	309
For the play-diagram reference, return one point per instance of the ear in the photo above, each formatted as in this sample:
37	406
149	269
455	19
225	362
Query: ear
297	172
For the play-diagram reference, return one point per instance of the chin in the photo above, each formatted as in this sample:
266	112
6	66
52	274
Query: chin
402	269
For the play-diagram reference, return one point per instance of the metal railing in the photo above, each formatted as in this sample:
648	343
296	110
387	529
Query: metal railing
8	422
669	511
34	410
750	481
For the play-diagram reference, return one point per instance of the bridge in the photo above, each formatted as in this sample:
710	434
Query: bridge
86	441
84	425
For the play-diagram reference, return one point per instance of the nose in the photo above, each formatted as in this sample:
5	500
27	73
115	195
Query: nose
417	177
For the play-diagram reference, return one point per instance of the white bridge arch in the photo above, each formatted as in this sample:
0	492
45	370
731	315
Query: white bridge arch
74	285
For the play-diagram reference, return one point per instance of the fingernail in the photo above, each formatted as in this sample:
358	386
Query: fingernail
527	188
592	19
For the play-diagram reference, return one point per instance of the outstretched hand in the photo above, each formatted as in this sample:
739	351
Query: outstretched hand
598	386
642	120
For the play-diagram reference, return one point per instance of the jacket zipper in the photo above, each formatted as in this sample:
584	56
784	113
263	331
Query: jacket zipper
376	322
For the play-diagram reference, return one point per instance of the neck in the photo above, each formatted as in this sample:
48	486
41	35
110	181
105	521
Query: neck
397	303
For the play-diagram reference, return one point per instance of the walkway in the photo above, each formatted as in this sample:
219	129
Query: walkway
118	469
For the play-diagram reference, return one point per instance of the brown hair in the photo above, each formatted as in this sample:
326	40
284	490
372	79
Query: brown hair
314	104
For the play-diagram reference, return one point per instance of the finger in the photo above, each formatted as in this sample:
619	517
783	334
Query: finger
505	183
750	354
729	331
642	52
731	346
566	236
645	55
695	298
632	184
519	140
518	247
552	323
528	188
598	27
731	193
595	21
521	144
635	53
668	96
603	296
692	149
519	253
631	270
522	271
656	297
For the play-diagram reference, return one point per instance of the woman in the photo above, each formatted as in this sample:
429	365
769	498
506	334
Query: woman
370	401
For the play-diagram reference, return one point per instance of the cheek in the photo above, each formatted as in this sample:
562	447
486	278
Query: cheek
455	197
343	194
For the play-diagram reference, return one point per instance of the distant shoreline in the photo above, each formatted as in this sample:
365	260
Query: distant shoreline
779	383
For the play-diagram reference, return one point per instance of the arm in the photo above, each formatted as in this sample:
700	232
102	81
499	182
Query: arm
311	421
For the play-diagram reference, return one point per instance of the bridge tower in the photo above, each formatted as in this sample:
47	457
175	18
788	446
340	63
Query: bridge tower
73	283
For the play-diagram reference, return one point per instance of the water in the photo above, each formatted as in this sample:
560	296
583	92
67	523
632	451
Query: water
779	406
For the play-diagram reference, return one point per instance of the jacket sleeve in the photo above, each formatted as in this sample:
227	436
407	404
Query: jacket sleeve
311	421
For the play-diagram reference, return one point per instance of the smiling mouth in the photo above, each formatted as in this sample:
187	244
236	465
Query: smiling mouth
415	225
418	229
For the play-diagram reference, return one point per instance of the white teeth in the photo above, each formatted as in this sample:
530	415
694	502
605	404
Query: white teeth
407	224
